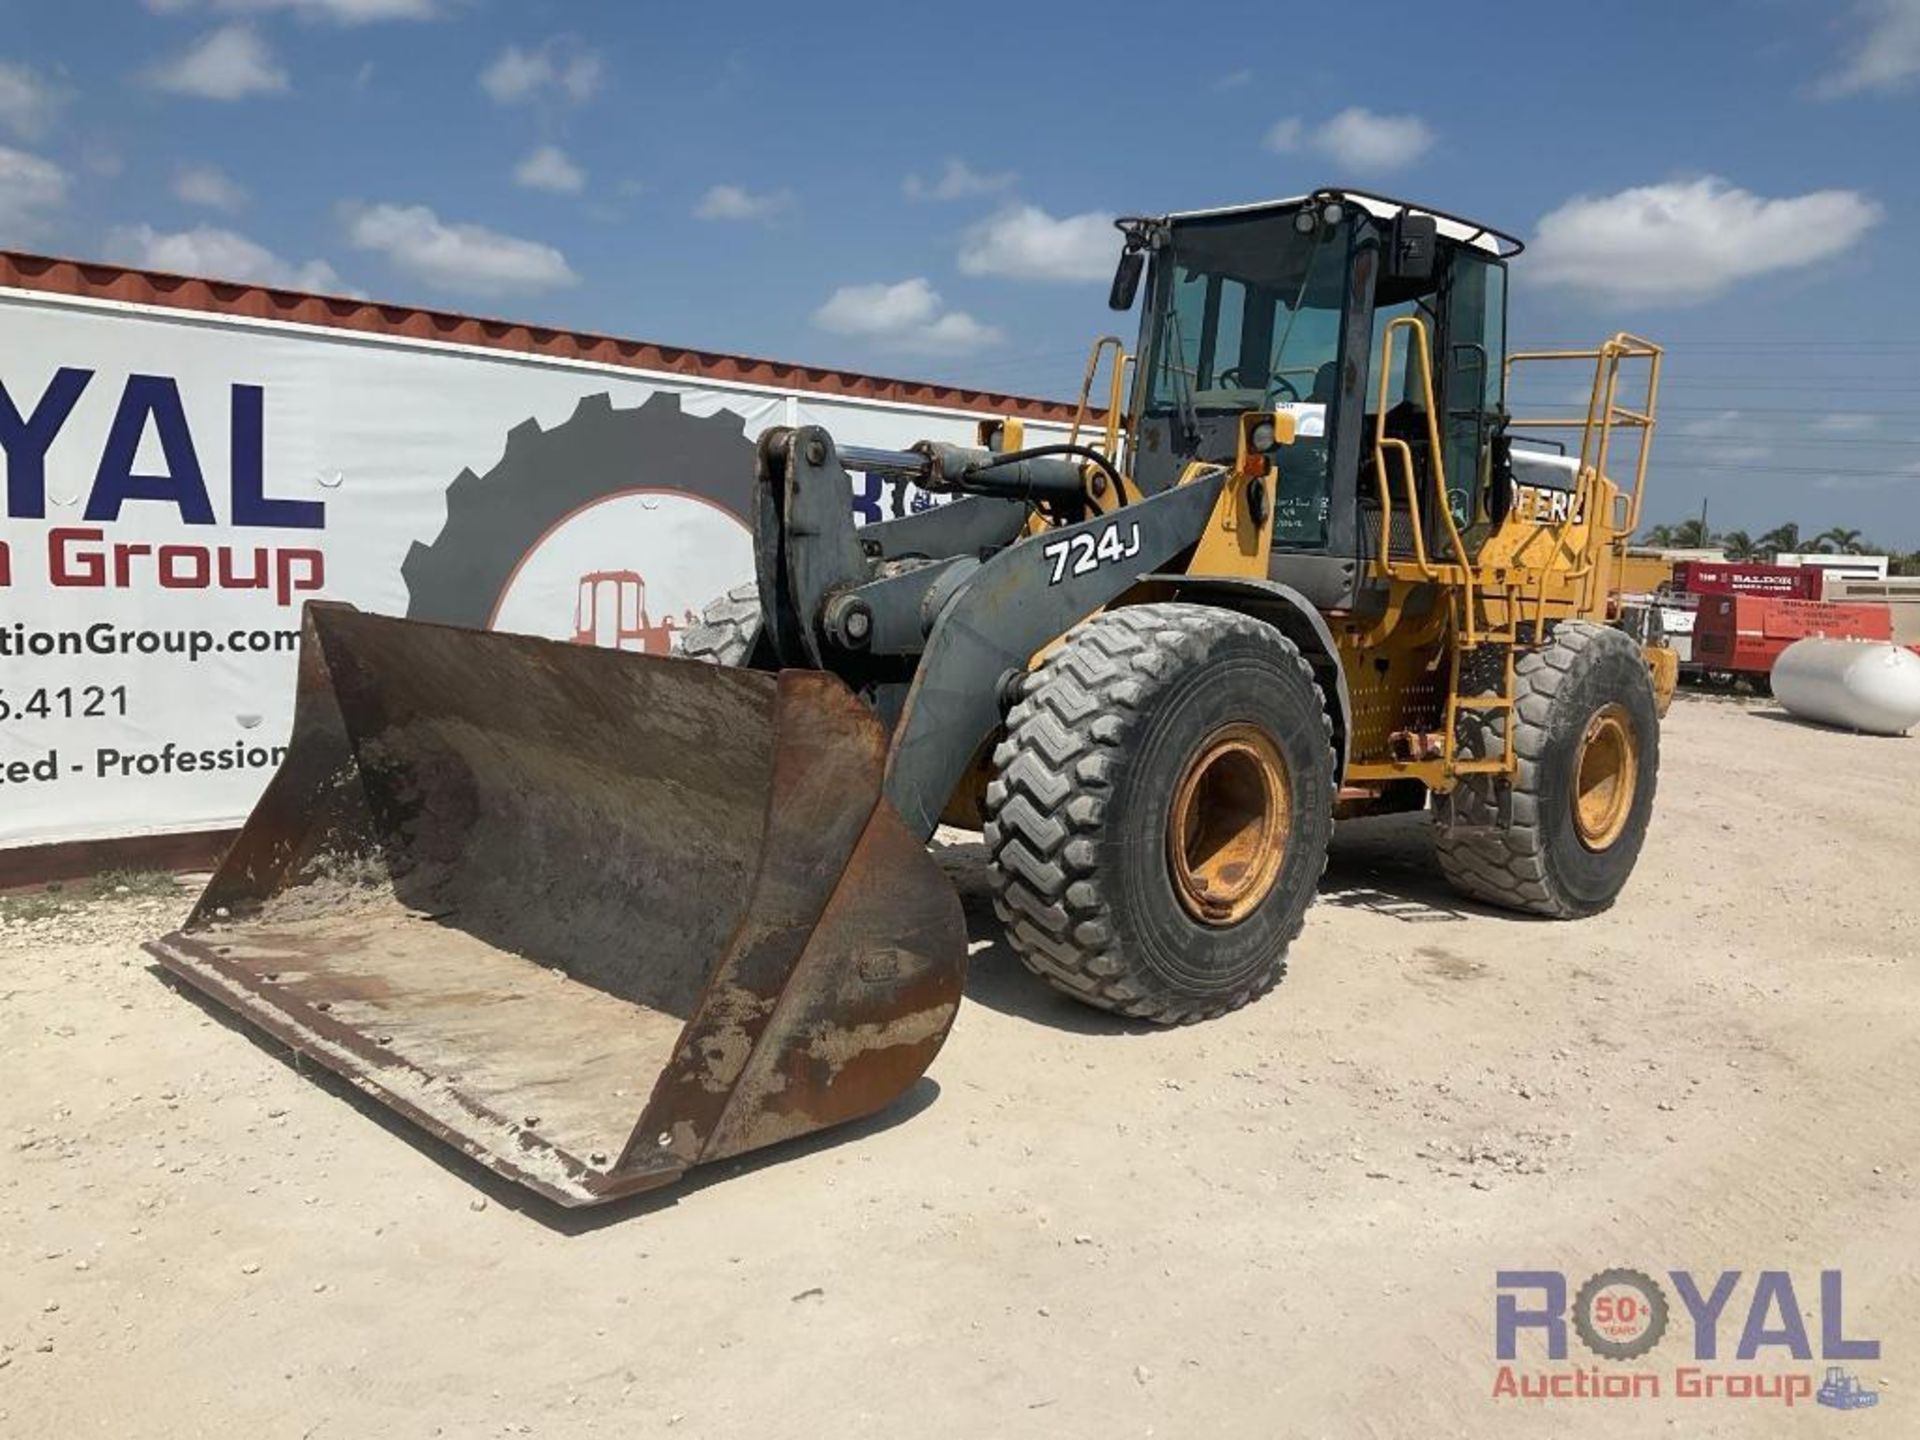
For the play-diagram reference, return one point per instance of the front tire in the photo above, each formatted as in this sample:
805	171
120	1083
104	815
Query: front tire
1587	742
1159	815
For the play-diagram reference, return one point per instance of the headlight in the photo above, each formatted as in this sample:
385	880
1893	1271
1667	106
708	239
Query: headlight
1261	436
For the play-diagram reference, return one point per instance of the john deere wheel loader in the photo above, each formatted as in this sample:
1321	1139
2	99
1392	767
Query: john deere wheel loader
598	917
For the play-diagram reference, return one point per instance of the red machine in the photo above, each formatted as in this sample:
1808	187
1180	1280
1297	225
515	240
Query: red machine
1787	582
623	624
1742	635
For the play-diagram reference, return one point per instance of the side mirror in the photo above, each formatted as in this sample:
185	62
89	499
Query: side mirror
1126	279
1415	243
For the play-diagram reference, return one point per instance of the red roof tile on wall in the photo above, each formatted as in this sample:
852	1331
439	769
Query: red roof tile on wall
93	281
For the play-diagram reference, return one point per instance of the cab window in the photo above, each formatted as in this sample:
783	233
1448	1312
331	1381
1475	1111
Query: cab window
1252	319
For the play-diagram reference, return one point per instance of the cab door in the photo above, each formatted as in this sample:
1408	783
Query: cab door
1473	340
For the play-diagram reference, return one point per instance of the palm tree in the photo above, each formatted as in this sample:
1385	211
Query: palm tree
1841	541
1738	545
1658	536
1691	535
1781	539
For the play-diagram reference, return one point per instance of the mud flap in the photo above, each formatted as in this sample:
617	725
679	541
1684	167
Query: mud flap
593	917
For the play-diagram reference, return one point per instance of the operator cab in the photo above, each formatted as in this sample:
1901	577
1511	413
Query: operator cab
1283	306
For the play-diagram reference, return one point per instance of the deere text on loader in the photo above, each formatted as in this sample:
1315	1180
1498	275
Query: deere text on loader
598	917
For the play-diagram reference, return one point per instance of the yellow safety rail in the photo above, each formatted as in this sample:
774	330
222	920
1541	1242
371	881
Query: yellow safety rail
1468	610
1466	595
1419	351
1116	394
1596	427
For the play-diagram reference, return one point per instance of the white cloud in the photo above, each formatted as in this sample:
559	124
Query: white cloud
1907	474
209	186
1024	242
217	254
1711	427
957	181
1365	141
1885	54
907	316
956	333
1686	241
548	168
1845	422
1356	139
342	12
732	202
29	189
28	102
230	63
1283	137
466	258
1740	454
560	69
1233	80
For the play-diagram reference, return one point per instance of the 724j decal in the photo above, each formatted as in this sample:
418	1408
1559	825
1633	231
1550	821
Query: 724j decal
1083	553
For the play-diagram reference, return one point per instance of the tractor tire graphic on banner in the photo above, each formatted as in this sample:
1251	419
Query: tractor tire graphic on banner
610	529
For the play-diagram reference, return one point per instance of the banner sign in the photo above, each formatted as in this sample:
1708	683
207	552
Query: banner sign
177	485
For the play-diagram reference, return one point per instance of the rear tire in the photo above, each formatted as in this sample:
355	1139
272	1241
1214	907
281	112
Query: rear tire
1587	687
728	632
1141	715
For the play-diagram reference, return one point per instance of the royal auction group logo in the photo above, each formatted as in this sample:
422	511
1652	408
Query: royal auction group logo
1622	1315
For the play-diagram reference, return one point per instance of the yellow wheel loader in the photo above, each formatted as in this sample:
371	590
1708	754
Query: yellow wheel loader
597	917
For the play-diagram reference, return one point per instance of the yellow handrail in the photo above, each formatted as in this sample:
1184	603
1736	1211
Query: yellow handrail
1114	394
1604	414
1420	349
1413	503
1116	400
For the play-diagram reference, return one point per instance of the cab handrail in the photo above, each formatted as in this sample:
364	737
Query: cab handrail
1420	350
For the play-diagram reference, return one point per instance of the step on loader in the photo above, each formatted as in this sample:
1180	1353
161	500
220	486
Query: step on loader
598	917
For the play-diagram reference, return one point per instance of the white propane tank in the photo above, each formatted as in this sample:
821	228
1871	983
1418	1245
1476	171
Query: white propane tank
1864	685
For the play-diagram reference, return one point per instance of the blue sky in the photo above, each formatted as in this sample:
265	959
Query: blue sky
924	191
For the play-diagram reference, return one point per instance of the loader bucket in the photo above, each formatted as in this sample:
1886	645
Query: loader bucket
594	917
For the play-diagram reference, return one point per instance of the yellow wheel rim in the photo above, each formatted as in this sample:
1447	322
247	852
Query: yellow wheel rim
1606	774
1227	831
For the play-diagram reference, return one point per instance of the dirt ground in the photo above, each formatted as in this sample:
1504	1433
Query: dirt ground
1287	1222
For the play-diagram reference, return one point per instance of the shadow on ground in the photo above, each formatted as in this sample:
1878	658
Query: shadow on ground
1382	864
1385	864
995	976
1801	723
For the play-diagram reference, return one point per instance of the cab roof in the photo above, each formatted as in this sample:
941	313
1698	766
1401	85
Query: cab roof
1382	207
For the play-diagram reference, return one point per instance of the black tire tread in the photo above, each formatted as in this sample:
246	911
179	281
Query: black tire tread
1051	785
1507	866
728	628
